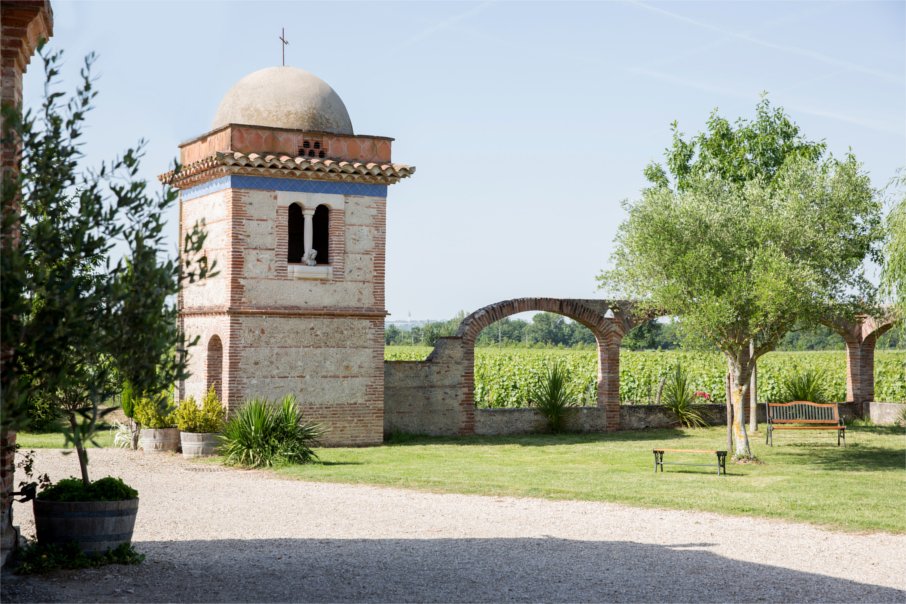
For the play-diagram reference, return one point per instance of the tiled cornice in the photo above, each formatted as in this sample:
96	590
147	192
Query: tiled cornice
225	163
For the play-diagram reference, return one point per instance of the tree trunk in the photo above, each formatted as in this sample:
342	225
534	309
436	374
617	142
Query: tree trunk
753	392
729	398
741	372
80	448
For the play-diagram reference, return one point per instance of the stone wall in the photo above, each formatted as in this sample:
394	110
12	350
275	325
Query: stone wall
425	397
316	332
433	410
884	414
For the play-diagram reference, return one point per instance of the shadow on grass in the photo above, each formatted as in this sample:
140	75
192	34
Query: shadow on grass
537	440
854	458
439	570
338	463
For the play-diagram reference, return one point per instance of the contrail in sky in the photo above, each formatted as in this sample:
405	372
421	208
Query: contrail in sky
442	25
805	52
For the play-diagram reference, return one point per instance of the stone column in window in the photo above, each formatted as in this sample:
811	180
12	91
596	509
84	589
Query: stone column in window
307	236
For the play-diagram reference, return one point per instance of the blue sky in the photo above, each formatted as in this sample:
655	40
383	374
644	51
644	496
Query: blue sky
529	123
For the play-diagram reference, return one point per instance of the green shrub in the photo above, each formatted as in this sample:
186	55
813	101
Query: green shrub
127	400
209	417
553	394
806	385
679	397
73	489
154	413
263	434
36	558
44	414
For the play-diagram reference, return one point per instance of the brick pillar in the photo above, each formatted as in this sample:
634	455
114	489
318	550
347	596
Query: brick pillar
860	370
609	380
24	24
467	400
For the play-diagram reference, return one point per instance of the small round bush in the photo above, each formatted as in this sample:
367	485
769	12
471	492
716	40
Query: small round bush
208	418
73	489
155	412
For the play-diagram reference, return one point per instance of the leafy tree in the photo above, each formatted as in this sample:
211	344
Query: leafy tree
647	336
392	335
77	320
811	338
503	332
547	328
893	278
749	230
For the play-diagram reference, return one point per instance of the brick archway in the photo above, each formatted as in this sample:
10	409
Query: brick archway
861	333
608	320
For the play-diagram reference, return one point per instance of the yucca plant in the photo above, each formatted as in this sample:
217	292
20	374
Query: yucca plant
808	385
264	433
678	396
552	395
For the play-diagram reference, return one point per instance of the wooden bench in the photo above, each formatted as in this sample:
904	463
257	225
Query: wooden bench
803	415
721	459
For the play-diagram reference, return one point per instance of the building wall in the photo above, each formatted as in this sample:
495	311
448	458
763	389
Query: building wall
211	211
313	332
333	366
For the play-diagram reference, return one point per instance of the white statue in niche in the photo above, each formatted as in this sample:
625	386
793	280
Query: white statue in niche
309	257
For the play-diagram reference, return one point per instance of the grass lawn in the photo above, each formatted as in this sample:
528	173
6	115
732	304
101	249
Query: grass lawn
803	477
55	440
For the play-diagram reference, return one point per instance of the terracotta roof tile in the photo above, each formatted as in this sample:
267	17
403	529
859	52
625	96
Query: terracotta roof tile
226	162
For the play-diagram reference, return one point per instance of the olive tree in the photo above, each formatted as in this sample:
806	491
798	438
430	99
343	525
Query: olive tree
748	231
893	277
88	290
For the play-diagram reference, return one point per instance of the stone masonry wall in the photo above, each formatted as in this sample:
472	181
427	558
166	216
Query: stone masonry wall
413	418
315	332
425	397
328	363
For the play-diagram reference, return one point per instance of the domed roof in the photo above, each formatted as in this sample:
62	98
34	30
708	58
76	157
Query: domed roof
284	97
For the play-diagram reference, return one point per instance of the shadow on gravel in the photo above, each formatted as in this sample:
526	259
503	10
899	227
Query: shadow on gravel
437	570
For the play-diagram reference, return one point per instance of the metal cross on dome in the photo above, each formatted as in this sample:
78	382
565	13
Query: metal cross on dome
285	42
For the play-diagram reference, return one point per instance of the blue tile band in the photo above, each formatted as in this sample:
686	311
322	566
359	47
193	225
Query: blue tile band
295	185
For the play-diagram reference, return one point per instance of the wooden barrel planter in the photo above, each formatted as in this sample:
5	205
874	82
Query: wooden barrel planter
95	526
199	444
159	440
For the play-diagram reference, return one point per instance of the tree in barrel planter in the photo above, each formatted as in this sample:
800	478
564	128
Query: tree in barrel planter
748	231
78	321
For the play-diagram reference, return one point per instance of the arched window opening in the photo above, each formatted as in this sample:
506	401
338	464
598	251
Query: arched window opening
321	234
215	366
296	230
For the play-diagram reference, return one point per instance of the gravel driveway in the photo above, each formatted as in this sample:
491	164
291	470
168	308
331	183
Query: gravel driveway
220	535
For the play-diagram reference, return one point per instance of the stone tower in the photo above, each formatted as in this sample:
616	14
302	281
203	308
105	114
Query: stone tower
294	208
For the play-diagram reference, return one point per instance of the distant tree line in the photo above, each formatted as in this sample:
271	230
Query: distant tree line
552	330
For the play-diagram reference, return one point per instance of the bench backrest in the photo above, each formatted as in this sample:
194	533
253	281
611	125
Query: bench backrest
803	412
